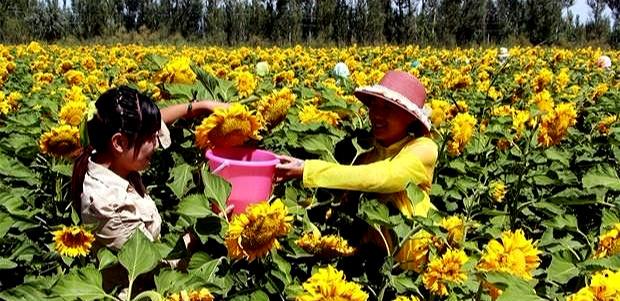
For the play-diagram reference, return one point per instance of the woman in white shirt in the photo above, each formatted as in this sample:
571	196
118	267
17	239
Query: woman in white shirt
106	185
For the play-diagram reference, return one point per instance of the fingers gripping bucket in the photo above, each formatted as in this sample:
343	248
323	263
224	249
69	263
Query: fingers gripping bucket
249	171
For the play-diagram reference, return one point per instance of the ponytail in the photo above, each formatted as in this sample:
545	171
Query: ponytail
80	167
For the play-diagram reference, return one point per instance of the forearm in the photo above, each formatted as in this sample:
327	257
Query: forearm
174	112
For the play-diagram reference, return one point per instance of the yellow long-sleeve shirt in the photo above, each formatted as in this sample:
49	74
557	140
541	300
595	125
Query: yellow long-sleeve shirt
385	171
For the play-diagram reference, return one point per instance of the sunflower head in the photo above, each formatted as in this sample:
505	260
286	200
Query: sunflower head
72	113
61	141
191	295
327	246
330	284
272	108
254	233
72	241
227	128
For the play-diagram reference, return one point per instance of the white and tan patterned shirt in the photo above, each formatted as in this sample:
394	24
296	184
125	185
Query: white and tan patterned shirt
114	206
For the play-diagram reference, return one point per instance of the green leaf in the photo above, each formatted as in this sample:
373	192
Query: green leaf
139	255
283	271
216	188
83	284
319	145
171	281
601	176
611	263
6	222
6	264
158	60
181	176
37	289
12	168
556	155
562	268
106	258
403	283
374	212
195	205
207	271
150	295
414	193
514	288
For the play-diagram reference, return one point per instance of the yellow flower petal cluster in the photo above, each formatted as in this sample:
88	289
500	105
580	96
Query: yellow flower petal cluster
312	114
462	129
605	123
445	270
515	255
74	77
202	294
456	79
245	82
562	79
328	246
8	103
227	127
72	113
502	111
519	121
605	286
330	284
554	125
440	111
61	141
177	71
599	91
609	243
498	191
272	109
455	226
543	101
405	298
542	80
254	233
72	241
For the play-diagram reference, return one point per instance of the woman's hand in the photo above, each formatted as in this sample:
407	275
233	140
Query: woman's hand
205	107
289	167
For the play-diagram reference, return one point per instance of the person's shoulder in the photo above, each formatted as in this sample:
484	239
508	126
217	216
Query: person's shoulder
100	190
423	142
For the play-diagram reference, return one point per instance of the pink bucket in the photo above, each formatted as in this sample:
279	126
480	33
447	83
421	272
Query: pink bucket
249	171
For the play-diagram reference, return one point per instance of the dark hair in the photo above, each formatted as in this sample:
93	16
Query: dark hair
119	110
418	129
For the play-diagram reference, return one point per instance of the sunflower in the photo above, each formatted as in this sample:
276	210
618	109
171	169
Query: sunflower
245	82
72	113
455	227
330	284
72	241
254	233
515	255
605	285
497	190
445	270
60	141
328	246
462	130
74	77
272	108
555	124
227	128
609	243
177	71
312	114
191	295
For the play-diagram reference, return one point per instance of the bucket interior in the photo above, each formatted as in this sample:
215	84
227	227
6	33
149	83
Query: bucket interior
244	154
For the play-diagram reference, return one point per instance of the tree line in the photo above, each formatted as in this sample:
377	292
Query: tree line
340	22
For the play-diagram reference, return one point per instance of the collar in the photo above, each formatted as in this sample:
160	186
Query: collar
106	176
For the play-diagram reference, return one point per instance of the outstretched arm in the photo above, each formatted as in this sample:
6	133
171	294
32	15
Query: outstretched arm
190	110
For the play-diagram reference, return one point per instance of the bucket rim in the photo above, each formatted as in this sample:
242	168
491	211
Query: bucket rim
263	163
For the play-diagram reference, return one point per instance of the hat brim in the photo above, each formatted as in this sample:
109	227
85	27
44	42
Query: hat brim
366	98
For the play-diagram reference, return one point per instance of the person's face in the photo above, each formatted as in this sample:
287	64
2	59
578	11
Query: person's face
389	122
138	156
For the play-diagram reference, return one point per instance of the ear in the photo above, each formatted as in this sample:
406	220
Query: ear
119	143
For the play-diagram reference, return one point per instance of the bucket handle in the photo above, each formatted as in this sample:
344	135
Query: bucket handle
224	164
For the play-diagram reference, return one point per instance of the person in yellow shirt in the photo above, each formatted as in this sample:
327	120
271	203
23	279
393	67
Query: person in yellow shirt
403	154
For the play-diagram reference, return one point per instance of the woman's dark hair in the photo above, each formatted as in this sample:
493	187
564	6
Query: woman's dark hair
119	110
418	129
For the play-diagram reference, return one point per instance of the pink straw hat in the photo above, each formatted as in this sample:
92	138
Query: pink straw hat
401	89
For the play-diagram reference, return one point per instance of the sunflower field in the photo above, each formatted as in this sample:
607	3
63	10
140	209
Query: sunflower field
526	186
